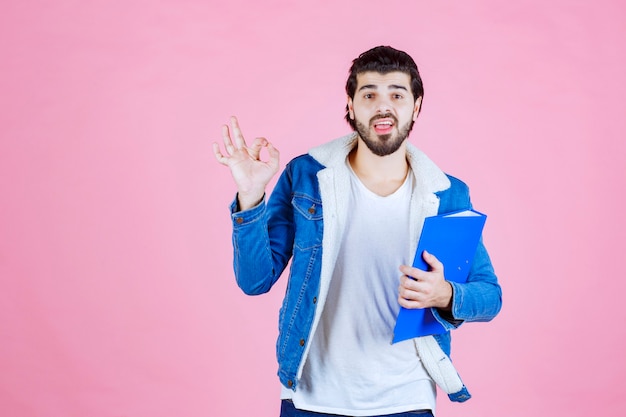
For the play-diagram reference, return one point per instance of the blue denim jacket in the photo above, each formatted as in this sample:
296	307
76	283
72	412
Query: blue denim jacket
302	222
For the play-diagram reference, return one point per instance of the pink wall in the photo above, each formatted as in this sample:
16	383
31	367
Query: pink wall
117	296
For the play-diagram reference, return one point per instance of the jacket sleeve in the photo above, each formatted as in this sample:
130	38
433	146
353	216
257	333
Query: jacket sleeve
263	239
480	298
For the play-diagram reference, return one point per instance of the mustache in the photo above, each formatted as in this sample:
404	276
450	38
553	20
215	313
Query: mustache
384	116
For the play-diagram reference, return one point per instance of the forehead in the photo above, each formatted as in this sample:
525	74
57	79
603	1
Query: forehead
372	79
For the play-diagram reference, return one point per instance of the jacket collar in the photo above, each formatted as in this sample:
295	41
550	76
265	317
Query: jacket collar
430	178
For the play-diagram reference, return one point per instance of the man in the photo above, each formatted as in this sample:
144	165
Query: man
348	214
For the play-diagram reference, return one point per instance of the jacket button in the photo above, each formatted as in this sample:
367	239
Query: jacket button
239	220
290	383
312	210
301	342
314	300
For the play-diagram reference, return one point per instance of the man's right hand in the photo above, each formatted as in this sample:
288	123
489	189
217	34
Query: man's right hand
250	173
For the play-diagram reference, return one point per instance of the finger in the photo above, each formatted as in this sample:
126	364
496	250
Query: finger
257	145
408	295
274	157
433	262
410	304
410	284
218	154
228	143
405	303
413	273
237	135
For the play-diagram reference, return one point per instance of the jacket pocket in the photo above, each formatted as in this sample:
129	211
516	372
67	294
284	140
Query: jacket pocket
308	221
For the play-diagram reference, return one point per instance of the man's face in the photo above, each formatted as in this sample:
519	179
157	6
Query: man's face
383	110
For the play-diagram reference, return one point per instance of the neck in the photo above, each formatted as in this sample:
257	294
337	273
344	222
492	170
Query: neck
383	175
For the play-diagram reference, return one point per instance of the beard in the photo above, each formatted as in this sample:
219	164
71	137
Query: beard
383	145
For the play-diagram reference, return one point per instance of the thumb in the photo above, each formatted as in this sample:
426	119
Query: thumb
432	261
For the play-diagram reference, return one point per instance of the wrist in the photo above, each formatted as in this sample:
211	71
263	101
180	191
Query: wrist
246	201
446	301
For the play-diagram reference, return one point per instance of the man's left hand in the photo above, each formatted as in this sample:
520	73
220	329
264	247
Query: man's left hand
425	289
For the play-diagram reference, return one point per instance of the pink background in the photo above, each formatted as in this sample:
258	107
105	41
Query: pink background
117	297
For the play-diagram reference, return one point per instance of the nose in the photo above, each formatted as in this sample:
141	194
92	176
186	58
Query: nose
383	106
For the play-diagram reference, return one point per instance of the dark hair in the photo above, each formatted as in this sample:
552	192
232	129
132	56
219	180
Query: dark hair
383	59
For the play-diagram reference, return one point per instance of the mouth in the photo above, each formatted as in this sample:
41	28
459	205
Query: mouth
383	126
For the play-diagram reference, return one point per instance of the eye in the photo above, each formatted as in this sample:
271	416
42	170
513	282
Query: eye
368	96
398	96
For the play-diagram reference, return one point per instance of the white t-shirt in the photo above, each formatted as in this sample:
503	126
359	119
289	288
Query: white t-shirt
352	367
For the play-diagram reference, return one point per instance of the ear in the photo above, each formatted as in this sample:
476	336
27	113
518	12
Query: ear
416	109
350	108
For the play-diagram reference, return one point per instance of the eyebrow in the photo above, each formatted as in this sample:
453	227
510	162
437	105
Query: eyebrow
391	87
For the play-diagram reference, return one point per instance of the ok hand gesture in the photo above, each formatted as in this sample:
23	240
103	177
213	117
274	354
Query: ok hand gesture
251	175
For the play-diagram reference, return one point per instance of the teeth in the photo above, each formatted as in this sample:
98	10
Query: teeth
384	123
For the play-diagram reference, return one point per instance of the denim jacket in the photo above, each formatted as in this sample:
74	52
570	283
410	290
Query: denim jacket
303	220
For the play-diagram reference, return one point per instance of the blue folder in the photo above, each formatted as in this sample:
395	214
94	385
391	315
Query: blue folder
453	239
